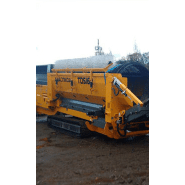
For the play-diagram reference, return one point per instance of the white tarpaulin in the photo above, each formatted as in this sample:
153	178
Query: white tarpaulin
99	61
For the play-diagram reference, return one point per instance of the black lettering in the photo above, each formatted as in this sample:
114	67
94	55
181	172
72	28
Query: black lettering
83	80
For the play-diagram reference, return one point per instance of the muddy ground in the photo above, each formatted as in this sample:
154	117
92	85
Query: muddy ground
65	160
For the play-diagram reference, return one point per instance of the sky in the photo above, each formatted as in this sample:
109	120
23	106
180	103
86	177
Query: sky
67	29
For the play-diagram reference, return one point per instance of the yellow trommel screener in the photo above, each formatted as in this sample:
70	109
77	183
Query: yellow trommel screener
113	102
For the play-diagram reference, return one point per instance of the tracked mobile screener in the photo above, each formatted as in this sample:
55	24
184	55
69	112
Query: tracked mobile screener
113	102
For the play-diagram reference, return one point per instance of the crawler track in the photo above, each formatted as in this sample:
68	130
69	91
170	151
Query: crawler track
72	126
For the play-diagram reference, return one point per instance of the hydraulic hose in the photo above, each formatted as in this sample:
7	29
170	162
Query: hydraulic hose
115	91
58	96
118	129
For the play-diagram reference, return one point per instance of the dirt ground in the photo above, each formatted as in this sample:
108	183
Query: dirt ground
65	160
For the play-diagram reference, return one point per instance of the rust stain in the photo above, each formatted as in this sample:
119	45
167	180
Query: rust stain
102	179
40	146
44	139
